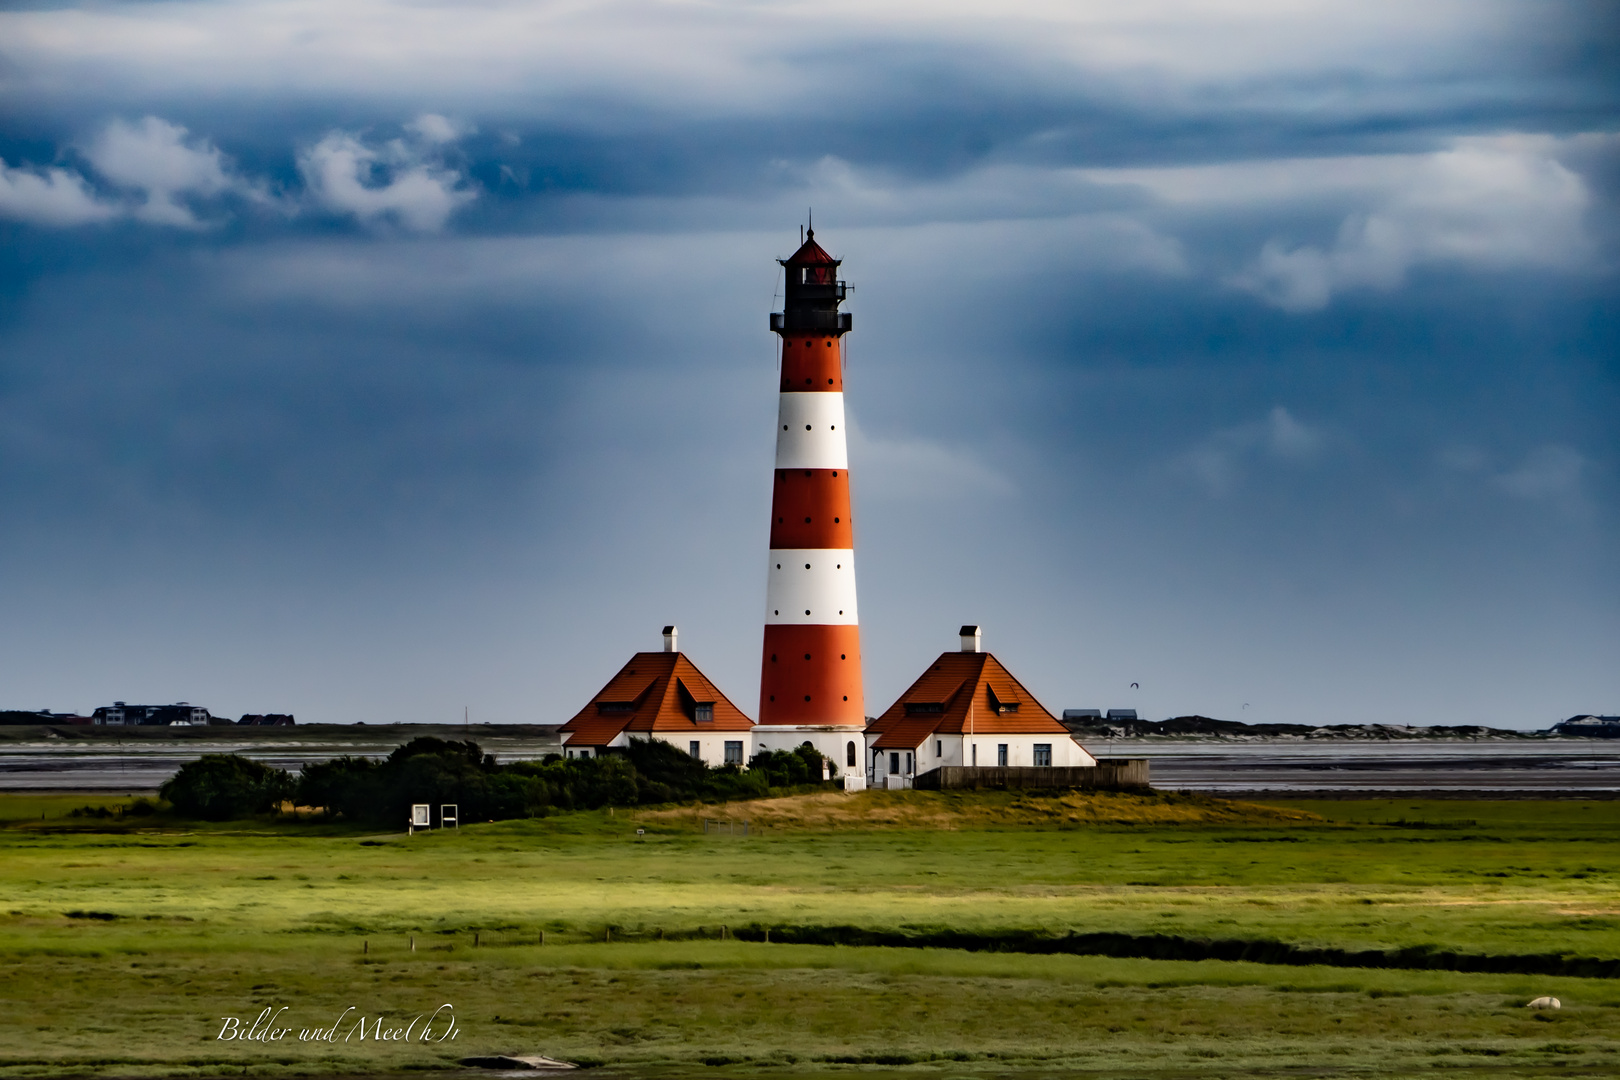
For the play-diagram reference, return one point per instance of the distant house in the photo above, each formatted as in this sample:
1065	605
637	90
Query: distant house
966	709
1122	715
661	695
180	714
1081	715
274	719
1589	726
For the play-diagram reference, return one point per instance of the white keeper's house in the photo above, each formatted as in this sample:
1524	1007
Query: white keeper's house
966	709
661	695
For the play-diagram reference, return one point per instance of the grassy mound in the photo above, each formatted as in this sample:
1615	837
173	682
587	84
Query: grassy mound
953	810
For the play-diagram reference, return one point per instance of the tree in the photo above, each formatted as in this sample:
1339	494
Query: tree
218	787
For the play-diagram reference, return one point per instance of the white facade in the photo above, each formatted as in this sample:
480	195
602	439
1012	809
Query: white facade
897	767
713	747
835	743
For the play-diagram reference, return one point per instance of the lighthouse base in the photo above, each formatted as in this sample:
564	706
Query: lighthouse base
842	744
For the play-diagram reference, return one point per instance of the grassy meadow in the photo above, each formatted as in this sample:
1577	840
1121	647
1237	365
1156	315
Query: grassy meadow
125	940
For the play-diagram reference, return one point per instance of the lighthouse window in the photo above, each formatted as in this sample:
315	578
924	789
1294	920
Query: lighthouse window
807	566
849	754
807	656
836	521
807	427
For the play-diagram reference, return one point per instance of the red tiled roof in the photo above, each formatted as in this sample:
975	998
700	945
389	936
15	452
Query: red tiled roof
967	688
654	692
811	254
907	733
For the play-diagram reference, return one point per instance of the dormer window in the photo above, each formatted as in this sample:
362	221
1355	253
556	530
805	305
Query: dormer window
703	712
998	706
607	708
924	708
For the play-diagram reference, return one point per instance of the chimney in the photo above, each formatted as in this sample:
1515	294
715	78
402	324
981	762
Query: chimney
970	638
669	639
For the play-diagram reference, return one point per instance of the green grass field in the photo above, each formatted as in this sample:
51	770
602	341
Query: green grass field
126	940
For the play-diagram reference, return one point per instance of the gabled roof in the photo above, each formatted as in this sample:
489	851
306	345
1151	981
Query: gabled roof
960	693
654	692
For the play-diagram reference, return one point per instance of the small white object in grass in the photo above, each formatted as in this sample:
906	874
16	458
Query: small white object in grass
1545	1003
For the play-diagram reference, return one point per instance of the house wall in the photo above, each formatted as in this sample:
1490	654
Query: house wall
711	744
832	741
947	750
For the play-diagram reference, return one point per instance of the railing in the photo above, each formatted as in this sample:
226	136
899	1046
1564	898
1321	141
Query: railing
815	322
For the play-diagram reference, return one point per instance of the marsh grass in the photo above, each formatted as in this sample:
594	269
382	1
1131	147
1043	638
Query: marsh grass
124	941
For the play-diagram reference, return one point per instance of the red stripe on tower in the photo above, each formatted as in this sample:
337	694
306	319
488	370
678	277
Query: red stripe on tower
810	684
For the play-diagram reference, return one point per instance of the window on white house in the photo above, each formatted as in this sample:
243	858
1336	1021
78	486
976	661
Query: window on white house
849	752
908	763
695	749
733	752
894	763
1001	755
939	748
1043	753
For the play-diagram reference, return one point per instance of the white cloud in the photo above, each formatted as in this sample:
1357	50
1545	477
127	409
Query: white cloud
745	57
400	181
905	468
50	197
156	158
1221	460
1549	473
1491	203
433	128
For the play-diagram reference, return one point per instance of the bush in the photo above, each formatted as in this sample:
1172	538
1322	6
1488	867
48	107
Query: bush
218	787
437	771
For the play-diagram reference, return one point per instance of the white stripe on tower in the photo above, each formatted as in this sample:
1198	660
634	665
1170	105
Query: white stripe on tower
810	432
811	586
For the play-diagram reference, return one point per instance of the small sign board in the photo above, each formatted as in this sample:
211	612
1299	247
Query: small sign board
420	818
449	816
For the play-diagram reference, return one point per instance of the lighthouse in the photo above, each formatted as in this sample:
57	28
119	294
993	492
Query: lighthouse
810	683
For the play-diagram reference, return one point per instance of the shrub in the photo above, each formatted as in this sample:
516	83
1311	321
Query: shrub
218	787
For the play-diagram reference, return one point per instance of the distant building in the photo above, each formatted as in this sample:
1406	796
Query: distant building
661	695
274	719
180	714
1122	715
966	709
1589	726
1081	714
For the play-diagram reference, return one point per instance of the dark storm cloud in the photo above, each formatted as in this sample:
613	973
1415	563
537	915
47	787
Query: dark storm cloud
1268	354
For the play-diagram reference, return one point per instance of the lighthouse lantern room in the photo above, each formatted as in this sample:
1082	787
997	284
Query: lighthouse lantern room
810	686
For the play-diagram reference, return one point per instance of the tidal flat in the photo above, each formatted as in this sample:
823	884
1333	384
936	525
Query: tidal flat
126	940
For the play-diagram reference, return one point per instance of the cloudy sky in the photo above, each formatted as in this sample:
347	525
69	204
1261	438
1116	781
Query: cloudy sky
371	360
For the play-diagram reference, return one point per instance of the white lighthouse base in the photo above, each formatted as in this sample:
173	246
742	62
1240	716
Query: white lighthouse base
832	740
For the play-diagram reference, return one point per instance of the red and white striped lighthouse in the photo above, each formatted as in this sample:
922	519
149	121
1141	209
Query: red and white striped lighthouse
810	686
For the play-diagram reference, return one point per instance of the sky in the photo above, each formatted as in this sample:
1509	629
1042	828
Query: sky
385	361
